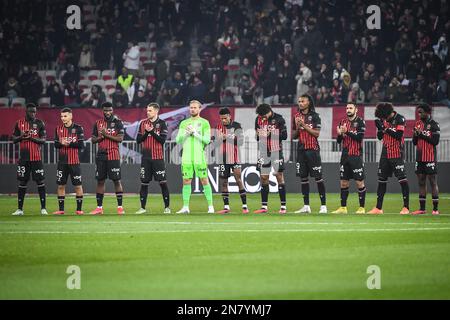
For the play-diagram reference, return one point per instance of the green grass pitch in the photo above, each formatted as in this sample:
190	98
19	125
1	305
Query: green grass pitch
235	256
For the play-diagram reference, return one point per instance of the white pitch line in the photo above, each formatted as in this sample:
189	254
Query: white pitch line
220	223
225	230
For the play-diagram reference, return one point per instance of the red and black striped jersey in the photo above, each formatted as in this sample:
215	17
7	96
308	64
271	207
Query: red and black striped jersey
74	135
29	150
108	149
307	141
393	137
427	140
228	147
352	140
275	127
152	141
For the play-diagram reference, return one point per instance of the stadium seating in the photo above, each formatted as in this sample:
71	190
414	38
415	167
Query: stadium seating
108	74
4	102
50	75
93	75
99	82
110	84
44	102
18	102
83	84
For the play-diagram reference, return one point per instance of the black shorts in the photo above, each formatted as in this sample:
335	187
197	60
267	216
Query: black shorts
153	168
308	163
107	168
426	167
25	168
225	170
64	170
265	163
395	166
352	167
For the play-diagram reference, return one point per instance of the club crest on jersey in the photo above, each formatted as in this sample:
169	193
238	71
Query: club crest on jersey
34	126
309	118
355	124
157	126
74	131
429	127
113	125
273	121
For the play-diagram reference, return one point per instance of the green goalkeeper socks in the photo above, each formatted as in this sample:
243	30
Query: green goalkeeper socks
186	194
208	194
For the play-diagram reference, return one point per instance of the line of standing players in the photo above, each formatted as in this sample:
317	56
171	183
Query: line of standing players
270	129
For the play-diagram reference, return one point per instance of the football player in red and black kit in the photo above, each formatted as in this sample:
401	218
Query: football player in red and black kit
270	130
350	134
426	138
152	135
228	138
390	129
69	139
30	133
306	127
108	133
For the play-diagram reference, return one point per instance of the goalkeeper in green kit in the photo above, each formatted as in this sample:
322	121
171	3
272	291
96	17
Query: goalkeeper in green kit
194	135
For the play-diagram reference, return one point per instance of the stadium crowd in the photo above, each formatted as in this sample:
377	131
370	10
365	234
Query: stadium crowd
133	52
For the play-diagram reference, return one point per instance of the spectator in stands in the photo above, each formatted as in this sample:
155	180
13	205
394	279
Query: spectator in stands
258	70
269	87
72	95
196	88
286	83
392	91
55	93
24	82
339	71
228	43
443	90
71	75
441	49
46	54
228	98
177	84
118	48
323	77
131	58
125	80
102	53
134	88
214	90
12	89
95	99
35	89
323	97
403	49
356	94
346	86
206	50
140	100
376	93
120	98
246	89
336	91
150	92
303	78
245	67
60	63
85	62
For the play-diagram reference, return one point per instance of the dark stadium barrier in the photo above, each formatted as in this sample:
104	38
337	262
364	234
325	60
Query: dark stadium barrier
131	182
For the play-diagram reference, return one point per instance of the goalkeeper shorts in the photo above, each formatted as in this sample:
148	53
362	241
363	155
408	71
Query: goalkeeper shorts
200	169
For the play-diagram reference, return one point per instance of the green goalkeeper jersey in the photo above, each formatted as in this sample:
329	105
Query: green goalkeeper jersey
194	144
